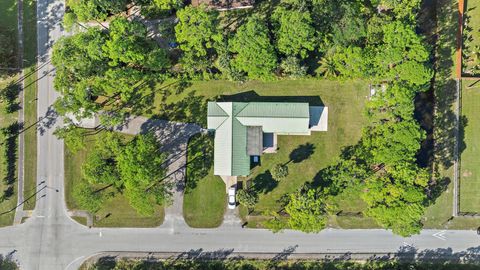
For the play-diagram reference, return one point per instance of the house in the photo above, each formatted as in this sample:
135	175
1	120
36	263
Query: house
246	130
222	5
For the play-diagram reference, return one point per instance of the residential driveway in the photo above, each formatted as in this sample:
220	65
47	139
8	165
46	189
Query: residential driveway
174	139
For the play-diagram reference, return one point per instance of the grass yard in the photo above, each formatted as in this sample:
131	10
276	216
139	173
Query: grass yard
470	163
30	108
471	37
116	212
346	101
8	148
205	197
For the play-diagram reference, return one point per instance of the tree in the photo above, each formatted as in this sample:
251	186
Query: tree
350	28
87	10
279	171
293	31
403	55
141	169
116	79
403	9
351	62
73	136
247	198
396	198
327	67
197	32
255	54
307	211
167	5
128	44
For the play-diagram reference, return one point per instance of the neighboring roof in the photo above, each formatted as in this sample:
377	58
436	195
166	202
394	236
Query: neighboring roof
231	121
254	141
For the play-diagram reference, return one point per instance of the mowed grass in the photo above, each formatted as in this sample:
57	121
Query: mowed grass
205	194
472	11
345	100
8	21
116	212
470	162
30	106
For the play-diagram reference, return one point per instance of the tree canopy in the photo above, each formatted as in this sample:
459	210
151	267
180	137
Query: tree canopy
254	54
134	168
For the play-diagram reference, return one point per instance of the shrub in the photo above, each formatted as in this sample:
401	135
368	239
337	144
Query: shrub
279	172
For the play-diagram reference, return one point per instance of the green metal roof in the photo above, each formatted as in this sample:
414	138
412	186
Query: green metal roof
231	119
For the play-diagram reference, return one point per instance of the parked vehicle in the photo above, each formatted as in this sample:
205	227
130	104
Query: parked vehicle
231	198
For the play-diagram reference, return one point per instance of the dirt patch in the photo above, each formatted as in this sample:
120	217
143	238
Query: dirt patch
467	174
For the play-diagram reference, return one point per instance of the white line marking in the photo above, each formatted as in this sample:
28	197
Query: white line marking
440	235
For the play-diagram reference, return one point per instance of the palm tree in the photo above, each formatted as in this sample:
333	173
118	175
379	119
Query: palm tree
327	67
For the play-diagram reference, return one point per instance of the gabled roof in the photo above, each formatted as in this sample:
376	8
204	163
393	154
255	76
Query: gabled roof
231	119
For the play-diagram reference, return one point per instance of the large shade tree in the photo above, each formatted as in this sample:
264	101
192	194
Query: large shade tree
254	54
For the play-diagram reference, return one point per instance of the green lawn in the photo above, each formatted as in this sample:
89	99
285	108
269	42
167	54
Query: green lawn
30	108
116	212
346	101
470	163
8	149
205	197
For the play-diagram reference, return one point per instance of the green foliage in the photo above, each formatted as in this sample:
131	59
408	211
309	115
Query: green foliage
396	197
402	9
69	20
255	54
88	197
351	62
140	165
279	171
128	45
87	10
167	5
73	136
293	31
350	28
247	198
306	211
134	168
292	67
116	79
197	32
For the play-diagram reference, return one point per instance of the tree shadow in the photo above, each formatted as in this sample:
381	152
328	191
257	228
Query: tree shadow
264	183
444	85
190	109
301	153
10	133
199	159
9	95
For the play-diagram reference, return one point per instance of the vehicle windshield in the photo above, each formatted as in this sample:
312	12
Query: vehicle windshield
231	199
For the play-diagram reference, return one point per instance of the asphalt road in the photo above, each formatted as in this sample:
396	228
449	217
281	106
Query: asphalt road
50	240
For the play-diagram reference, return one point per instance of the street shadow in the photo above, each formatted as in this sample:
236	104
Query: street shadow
301	153
252	96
